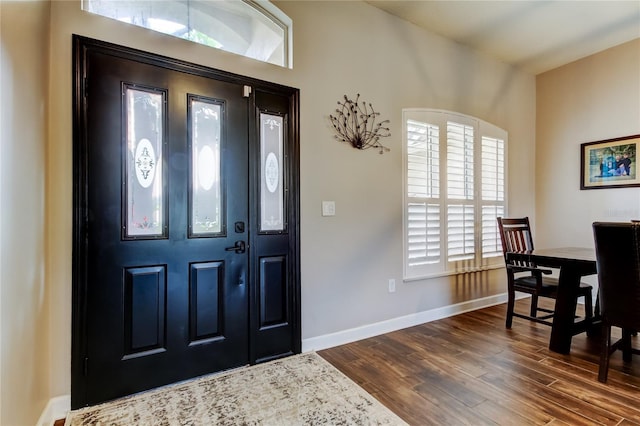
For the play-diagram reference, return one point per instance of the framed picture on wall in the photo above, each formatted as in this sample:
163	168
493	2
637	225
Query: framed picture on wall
610	163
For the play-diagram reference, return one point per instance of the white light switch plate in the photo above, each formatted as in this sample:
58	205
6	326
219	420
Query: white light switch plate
328	208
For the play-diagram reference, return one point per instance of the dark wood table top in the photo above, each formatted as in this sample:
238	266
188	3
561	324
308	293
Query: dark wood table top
562	256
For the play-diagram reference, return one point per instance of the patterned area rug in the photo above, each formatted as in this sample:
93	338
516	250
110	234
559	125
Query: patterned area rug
297	390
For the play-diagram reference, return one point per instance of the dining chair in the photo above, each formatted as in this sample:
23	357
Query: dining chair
526	277
618	259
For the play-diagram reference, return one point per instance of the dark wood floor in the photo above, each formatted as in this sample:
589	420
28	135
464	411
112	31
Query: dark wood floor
469	369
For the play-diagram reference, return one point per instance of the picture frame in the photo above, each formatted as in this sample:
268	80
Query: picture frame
610	163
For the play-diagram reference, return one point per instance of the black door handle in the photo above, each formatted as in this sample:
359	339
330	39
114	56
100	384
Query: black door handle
238	247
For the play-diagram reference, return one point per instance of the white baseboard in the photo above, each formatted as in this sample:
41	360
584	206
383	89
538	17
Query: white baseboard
371	330
56	409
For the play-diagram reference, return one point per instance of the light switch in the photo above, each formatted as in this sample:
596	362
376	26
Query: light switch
328	208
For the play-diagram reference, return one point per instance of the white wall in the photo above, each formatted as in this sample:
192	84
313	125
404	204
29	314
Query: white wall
592	99
24	309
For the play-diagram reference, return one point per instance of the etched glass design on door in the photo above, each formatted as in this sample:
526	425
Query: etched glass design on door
206	200
271	173
145	198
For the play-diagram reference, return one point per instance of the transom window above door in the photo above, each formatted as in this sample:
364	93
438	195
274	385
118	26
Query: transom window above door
255	29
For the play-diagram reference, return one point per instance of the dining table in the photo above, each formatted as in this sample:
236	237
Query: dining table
573	263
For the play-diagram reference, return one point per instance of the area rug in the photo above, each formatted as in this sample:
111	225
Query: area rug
297	390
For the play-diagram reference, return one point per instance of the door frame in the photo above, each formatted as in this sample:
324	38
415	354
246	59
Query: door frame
81	47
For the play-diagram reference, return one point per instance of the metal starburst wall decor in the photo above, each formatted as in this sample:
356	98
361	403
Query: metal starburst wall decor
356	124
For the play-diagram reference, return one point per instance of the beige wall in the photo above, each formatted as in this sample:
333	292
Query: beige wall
24	297
349	48
592	99
340	48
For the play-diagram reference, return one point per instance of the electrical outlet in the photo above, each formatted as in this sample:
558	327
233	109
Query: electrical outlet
392	285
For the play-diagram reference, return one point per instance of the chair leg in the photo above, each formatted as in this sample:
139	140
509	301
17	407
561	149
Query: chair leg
534	305
626	345
588	306
511	300
604	353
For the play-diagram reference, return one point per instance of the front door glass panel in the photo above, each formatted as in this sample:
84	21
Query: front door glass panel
144	187
205	117
271	173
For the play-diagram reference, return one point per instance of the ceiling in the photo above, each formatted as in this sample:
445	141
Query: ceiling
535	35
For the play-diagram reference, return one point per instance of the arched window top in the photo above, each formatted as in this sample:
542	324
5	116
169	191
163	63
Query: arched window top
252	28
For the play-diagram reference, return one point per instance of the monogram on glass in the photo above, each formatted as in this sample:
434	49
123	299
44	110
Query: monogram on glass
271	173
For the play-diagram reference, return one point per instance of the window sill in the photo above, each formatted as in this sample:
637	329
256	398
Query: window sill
450	273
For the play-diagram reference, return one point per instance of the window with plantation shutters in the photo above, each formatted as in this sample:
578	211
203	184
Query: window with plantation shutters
454	191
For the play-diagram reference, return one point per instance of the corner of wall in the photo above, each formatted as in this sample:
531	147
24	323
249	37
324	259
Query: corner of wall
56	409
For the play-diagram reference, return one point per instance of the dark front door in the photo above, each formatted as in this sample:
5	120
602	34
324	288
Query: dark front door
174	200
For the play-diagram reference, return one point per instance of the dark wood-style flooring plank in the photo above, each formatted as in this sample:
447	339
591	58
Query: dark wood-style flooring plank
469	369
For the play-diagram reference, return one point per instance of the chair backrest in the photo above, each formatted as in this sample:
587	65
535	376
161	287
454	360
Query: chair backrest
515	234
618	258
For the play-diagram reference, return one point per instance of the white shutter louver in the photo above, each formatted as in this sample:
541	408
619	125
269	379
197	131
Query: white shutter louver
423	186
491	244
460	217
423	160
492	169
492	166
423	234
460	232
459	161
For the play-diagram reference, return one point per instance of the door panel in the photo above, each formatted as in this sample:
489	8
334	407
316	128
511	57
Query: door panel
206	302
164	306
274	322
176	274
273	292
144	313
